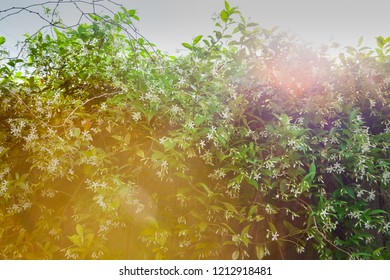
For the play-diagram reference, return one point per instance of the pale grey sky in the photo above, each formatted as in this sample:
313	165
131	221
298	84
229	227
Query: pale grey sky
168	23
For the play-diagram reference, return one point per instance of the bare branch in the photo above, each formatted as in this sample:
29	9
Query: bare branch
53	20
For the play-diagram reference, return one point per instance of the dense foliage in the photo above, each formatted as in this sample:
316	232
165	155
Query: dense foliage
252	145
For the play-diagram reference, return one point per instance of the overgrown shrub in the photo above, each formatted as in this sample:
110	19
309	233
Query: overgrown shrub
252	145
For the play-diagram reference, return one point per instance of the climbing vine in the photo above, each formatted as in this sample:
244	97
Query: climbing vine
252	145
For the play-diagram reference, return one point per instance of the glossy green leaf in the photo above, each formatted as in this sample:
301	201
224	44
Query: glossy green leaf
186	45
224	16
260	252
197	39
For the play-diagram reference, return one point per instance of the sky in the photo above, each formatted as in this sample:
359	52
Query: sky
168	23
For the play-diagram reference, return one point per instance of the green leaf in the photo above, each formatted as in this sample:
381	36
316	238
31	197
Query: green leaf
227	6
152	221
224	16
244	235
169	144
221	140
197	39
75	239
202	226
380	41
140	153
141	41
252	182
90	239
186	45
229	228
283	186
349	192
360	41
260	250
252	24
199	120
79	230
116	137
230	207
205	187
2	40
157	155
312	168
377	211
284	119
245	230
353	115
272	227
291	229
252	210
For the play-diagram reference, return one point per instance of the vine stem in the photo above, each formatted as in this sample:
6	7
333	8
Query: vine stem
322	234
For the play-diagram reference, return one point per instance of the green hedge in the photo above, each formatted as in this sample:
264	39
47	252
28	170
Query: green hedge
252	145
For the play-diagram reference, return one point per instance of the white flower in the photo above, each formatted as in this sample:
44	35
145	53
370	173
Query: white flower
300	249
26	204
181	81
369	239
269	209
323	123
334	140
190	125
236	238
359	193
291	142
367	225
164	164
32	135
15	208
386	177
16	131
136	116
335	168
274	236
181	220
97	254
100	202
86	136
371	195
52	166
225	114
323	213
202	144
217	174
162	140
269	164
3	187
103	107
175	109
355	214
